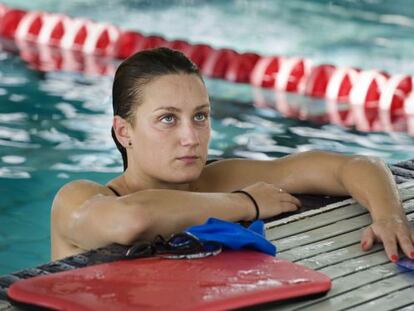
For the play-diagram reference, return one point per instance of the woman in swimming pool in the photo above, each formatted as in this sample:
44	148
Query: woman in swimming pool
161	125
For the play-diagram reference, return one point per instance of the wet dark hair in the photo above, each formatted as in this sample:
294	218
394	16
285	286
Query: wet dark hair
137	71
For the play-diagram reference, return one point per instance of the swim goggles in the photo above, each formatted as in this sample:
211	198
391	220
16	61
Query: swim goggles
181	245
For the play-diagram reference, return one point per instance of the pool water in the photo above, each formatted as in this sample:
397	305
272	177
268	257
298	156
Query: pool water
55	127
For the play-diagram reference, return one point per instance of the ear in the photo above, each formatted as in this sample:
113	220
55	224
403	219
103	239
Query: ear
121	128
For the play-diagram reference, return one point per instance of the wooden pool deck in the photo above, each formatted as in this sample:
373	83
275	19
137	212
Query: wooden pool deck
326	239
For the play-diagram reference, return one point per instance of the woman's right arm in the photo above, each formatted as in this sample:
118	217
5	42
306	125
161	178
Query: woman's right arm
88	217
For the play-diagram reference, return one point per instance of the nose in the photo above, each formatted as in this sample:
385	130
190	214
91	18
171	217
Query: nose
189	135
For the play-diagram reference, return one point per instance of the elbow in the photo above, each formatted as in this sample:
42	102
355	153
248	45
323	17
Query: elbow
369	161
129	235
359	161
357	168
132	226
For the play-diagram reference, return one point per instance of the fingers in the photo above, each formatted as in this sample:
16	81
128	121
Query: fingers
286	197
288	202
392	235
390	245
406	244
288	206
296	201
367	239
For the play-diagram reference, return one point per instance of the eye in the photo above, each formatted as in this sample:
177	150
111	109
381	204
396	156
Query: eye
168	119
201	116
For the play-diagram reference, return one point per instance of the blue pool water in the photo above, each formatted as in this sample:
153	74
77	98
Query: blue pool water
54	127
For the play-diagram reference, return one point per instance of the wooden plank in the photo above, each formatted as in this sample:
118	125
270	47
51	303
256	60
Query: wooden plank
314	222
406	191
373	274
327	245
324	246
334	237
310	213
348	283
389	302
408	206
406	185
327	218
345	260
364	294
350	257
325	232
364	274
356	264
6	306
410	307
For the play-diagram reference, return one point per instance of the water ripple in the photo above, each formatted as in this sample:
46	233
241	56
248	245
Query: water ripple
78	87
13	117
68	110
17	98
15	172
397	20
237	123
89	163
54	136
12	81
7	143
14	134
13	159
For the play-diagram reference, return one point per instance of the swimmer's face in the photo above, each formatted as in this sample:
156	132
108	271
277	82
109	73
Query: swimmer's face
172	128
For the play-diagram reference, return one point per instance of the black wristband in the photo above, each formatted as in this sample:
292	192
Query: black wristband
252	199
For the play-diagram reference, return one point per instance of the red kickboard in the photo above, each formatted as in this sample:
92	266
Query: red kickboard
232	279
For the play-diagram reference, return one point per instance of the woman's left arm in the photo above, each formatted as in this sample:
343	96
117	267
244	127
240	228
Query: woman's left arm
371	183
367	179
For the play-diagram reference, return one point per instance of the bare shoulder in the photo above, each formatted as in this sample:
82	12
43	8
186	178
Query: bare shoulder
68	200
77	192
72	196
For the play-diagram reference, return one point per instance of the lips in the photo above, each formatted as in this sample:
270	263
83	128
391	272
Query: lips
188	159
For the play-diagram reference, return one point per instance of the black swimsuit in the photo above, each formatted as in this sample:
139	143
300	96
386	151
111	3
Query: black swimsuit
114	191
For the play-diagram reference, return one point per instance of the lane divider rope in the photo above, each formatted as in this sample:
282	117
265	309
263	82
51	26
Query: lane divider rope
370	89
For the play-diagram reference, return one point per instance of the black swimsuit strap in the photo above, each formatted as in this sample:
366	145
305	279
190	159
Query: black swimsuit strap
114	191
117	193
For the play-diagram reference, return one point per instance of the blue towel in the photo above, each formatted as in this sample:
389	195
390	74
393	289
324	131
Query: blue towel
233	235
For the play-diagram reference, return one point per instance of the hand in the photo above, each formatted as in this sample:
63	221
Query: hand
392	231
271	200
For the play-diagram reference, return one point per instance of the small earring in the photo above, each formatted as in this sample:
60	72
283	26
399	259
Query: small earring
129	143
